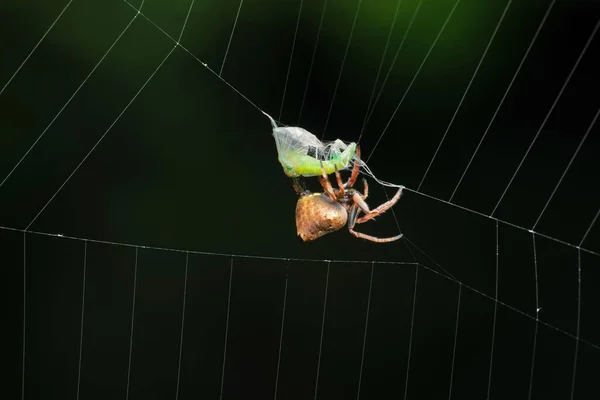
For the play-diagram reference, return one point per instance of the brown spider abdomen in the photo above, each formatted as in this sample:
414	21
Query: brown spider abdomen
318	215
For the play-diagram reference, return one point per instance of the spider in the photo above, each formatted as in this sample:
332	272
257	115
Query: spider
318	214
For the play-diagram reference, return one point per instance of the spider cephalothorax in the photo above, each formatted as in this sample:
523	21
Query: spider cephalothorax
320	213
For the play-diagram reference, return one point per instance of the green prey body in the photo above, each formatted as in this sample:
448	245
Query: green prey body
301	153
295	165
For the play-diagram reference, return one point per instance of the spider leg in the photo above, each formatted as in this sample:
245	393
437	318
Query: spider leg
338	177
352	215
366	189
359	201
354	175
297	186
381	209
373	238
324	180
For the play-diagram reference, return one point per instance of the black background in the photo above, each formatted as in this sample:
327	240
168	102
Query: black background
190	167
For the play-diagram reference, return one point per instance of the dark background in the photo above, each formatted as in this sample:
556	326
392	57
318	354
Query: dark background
191	165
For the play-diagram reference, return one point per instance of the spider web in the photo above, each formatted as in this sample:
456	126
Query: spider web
497	300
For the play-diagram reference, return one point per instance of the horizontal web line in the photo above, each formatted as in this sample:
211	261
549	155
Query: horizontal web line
523	313
208	253
504	222
232	255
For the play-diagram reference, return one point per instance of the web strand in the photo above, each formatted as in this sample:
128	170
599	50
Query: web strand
337	84
487	47
185	21
537	312
420	193
118	117
506	222
405	238
414	77
567	168
406	241
367	114
199	252
205	65
322	331
444	271
71	98
385	48
496	302
231	256
285	290
412	190
312	61
185	282
512	81
24	314
495	313
578	323
455	340
226	328
132	324
364	345
508	306
35	47
559	95
100	140
588	229
230	36
287	75
82	315
390	69
412	328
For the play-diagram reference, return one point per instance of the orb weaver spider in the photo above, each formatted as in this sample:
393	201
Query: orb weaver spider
320	213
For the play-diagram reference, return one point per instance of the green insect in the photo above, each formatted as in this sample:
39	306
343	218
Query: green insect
302	154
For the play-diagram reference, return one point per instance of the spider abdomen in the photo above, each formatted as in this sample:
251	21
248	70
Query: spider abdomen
317	215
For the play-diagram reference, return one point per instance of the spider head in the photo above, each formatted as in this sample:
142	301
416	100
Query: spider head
318	215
